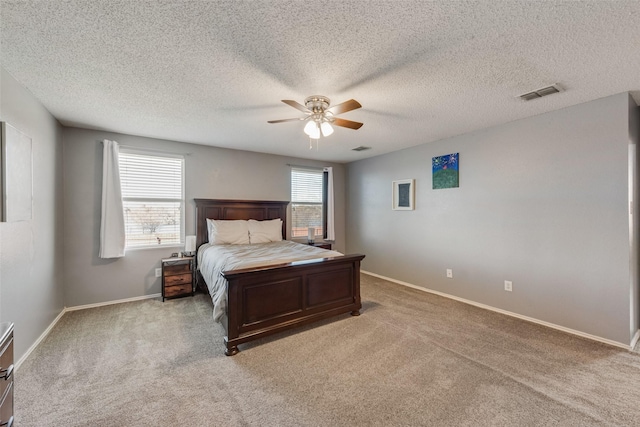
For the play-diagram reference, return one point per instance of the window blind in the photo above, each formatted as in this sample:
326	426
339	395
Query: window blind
153	198
306	201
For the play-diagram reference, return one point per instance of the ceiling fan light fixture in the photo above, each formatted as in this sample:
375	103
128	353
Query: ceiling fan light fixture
310	127
320	117
314	130
326	129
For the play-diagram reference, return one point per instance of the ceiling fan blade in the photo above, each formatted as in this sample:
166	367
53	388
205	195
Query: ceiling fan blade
349	105
297	105
347	123
287	120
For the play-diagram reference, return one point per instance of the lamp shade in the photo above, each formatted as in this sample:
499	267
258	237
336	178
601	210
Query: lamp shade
310	127
326	129
315	134
190	244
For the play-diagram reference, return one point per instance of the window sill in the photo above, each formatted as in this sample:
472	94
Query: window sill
147	248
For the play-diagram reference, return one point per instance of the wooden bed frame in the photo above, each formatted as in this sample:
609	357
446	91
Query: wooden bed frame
265	300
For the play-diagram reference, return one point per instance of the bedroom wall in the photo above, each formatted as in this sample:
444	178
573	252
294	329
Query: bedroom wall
31	289
543	202
209	173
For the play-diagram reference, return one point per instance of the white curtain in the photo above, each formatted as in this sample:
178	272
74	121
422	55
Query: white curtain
331	230
112	237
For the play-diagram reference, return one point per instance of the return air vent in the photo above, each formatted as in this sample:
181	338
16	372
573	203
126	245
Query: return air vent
361	148
539	93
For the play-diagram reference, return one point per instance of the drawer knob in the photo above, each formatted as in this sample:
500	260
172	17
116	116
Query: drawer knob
7	423
6	373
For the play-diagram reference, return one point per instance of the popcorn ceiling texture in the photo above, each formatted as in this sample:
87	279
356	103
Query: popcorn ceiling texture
214	72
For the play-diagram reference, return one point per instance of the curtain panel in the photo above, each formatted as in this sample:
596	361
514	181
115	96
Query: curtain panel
112	233
331	231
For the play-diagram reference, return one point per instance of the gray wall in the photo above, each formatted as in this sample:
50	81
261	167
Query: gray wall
543	202
31	292
210	173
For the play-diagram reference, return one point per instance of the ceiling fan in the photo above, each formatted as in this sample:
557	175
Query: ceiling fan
320	116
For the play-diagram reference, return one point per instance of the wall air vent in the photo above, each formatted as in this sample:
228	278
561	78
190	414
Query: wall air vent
361	148
539	93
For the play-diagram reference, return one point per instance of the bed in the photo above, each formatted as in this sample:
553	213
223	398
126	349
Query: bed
264	300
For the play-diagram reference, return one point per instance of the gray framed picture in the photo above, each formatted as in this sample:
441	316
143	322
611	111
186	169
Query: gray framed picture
403	195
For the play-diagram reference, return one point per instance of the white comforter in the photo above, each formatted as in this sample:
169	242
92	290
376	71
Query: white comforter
214	259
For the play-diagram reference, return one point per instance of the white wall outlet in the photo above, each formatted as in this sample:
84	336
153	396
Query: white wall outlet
508	285
449	273
158	272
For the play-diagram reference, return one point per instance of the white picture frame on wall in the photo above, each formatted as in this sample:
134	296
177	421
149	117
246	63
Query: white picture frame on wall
403	198
16	179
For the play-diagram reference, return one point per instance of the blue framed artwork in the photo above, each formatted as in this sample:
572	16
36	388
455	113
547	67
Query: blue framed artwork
445	171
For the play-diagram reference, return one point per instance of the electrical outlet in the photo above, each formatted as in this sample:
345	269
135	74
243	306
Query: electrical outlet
158	272
449	273
508	285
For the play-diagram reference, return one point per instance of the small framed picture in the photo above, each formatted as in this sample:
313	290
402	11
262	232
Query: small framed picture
445	171
403	195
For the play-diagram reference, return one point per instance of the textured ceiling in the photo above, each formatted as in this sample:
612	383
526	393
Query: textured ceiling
214	72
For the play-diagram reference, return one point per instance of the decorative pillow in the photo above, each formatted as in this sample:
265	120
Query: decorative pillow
232	232
265	231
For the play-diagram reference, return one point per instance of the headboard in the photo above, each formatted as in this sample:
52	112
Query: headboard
236	209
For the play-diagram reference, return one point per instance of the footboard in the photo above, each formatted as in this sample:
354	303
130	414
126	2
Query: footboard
266	300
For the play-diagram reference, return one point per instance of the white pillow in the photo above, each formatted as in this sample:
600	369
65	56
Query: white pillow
228	232
265	231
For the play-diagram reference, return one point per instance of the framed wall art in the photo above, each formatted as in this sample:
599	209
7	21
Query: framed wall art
445	171
16	183
403	195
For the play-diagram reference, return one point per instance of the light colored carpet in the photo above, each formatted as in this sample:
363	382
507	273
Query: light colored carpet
410	359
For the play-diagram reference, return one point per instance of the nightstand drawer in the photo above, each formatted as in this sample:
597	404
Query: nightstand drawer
6	407
172	291
178	280
6	366
177	269
6	374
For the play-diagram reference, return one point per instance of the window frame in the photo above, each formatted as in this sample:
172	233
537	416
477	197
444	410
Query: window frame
324	195
154	153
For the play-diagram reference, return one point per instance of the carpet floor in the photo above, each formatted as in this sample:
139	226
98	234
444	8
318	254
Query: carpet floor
410	359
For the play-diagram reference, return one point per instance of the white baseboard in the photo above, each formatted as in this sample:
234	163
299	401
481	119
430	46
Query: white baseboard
512	314
120	301
79	307
39	340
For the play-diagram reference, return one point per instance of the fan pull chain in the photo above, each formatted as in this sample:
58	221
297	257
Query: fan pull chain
311	144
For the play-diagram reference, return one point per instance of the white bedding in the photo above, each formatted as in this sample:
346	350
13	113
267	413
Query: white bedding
214	259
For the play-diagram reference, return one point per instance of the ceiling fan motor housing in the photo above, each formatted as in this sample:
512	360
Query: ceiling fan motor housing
317	103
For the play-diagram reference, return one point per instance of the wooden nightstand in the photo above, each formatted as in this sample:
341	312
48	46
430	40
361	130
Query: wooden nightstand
6	374
177	277
323	245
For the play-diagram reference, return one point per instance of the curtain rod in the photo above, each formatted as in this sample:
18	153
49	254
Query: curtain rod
305	167
131	147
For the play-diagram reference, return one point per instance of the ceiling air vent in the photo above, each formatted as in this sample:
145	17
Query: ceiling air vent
361	148
539	93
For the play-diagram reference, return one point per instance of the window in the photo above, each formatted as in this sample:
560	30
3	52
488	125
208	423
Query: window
308	206
153	198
